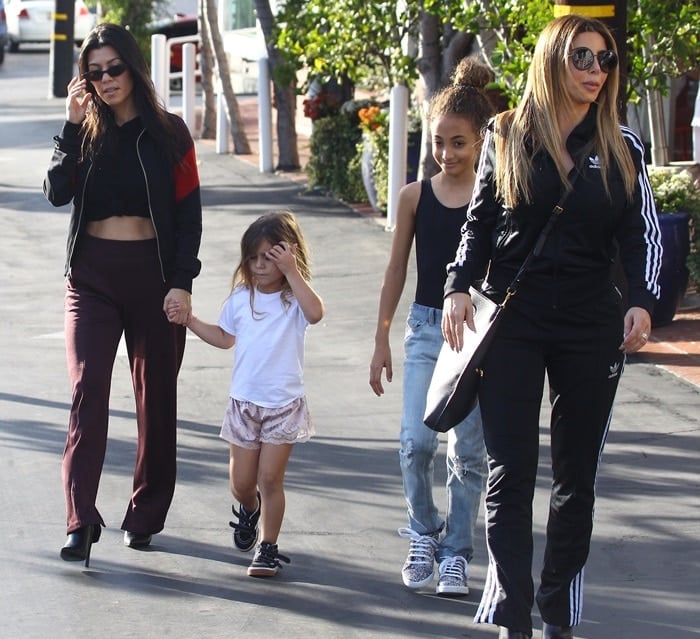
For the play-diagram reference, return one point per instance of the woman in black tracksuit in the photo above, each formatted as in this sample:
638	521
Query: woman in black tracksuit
129	169
566	319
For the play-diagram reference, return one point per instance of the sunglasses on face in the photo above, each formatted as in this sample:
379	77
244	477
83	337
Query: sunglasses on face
95	75
582	59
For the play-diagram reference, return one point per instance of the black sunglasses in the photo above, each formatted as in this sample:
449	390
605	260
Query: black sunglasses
95	75
583	57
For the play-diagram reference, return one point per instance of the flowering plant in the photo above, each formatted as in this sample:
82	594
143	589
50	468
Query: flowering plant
322	105
373	119
674	191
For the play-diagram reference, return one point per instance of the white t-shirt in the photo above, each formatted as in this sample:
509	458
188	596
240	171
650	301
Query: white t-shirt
268	368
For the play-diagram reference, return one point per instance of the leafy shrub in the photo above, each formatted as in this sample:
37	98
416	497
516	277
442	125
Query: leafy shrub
333	146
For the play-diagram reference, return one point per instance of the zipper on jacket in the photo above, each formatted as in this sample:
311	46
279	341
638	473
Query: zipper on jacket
150	210
80	218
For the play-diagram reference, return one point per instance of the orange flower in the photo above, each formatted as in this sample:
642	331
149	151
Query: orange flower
371	118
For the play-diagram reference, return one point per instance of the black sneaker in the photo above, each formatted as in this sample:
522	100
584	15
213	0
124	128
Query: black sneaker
266	561
245	533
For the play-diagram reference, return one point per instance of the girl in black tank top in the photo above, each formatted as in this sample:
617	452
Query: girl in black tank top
432	213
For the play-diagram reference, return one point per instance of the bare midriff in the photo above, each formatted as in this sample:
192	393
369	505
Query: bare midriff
122	227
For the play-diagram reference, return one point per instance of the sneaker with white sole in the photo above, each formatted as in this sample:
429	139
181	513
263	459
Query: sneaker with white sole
266	561
245	531
452	577
419	568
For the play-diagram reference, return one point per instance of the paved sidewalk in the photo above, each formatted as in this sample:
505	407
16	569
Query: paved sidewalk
344	496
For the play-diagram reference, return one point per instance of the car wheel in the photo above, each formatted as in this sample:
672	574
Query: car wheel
2	54
14	46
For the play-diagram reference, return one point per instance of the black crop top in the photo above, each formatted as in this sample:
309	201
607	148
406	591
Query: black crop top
438	232
117	185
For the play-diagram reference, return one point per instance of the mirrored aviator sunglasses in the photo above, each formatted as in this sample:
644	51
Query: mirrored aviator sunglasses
582	58
96	75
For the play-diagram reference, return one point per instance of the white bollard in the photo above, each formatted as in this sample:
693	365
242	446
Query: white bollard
223	131
264	116
696	130
189	53
398	133
160	66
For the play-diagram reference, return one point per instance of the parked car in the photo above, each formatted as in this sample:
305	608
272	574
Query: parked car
31	21
177	26
3	32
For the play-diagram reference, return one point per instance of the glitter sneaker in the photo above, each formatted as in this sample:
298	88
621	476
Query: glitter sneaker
419	568
452	577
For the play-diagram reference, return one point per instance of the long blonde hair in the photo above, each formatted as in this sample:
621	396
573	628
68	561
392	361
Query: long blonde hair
533	123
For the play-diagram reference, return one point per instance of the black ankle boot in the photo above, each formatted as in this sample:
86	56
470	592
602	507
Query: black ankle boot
507	633
79	543
556	632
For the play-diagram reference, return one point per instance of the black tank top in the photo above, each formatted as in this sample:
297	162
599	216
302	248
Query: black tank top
437	237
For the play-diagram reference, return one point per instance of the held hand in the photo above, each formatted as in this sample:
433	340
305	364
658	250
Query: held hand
77	101
637	329
172	309
284	256
380	360
177	306
457	309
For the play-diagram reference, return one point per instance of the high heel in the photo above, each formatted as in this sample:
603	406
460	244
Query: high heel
79	543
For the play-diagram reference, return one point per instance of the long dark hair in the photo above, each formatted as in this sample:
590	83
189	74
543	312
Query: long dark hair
100	116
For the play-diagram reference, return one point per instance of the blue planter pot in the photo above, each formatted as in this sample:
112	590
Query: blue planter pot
413	156
673	278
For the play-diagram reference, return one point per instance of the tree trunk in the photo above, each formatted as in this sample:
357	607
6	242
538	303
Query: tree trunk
206	68
284	92
430	69
240	140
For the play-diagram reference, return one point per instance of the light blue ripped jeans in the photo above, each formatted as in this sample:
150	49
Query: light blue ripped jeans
466	456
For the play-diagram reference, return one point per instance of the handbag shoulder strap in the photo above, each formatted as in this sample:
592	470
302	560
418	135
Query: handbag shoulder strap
541	239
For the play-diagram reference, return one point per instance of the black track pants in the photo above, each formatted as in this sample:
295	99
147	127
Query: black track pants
579	351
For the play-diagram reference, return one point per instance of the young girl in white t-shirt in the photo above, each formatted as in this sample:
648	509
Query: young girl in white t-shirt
266	316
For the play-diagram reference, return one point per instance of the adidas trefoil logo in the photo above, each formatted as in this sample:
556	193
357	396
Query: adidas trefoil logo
593	162
614	370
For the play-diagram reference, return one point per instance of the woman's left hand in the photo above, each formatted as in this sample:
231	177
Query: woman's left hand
637	329
180	299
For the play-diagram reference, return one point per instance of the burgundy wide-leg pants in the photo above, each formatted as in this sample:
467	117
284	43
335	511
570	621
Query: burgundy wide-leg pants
115	288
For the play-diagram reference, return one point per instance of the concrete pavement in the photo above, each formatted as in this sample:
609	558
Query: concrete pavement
344	497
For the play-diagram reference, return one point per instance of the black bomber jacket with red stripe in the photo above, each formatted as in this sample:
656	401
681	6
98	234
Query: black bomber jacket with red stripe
173	193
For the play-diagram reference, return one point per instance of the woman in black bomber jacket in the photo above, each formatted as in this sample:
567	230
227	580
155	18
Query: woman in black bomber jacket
129	168
566	318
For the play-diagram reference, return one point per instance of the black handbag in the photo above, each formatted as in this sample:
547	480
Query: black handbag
454	387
